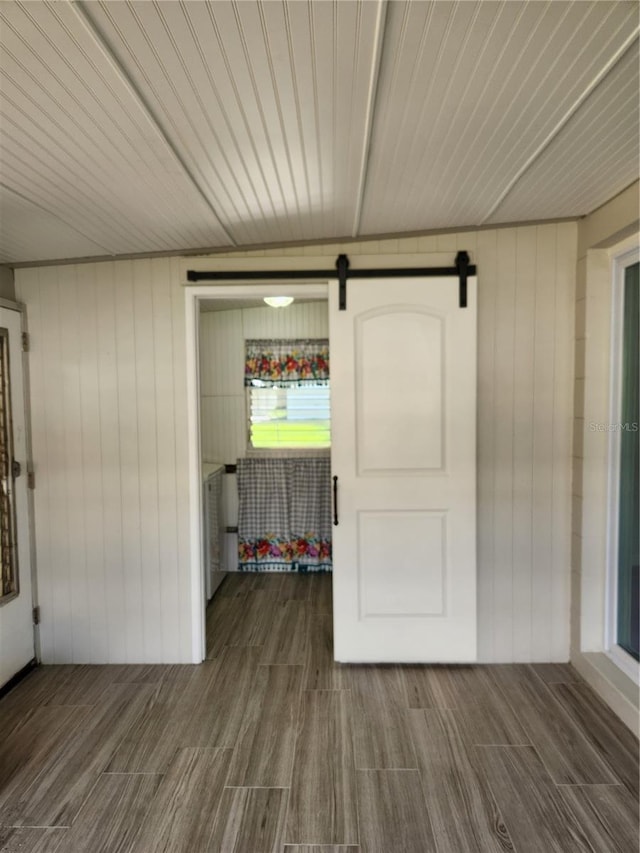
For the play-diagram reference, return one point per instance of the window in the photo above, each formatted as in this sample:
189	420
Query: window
296	417
624	622
8	557
287	385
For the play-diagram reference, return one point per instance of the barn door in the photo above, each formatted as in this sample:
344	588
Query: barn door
403	401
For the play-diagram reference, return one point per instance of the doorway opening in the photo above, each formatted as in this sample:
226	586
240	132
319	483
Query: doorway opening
259	467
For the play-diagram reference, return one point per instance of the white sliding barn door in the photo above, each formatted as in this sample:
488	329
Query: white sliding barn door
403	410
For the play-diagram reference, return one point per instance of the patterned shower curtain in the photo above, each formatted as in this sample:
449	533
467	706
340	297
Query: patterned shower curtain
284	518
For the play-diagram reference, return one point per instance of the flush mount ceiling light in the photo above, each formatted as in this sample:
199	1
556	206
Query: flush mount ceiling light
278	301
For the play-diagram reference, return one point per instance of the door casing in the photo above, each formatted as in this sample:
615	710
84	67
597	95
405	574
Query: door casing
193	295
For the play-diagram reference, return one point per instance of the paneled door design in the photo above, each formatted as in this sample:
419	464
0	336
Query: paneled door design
403	413
16	603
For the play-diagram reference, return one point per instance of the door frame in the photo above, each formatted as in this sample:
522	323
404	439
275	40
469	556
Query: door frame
621	258
21	309
194	294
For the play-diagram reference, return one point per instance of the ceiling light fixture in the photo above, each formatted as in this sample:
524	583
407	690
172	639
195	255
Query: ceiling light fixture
278	301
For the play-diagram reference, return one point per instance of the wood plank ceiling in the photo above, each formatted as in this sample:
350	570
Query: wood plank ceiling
131	127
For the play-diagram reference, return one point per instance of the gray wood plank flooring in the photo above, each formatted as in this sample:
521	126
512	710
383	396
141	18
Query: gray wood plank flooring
250	819
607	814
463	812
323	772
152	740
53	794
111	816
381	729
42	732
610	738
535	813
286	641
264	752
240	583
225	616
393	818
180	818
214	715
253	628
447	686
290	588
270	745
321	848
565	751
554	673
83	685
322	673
33	840
321	595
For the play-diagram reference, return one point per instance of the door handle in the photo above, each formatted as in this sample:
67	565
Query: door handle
335	501
16	469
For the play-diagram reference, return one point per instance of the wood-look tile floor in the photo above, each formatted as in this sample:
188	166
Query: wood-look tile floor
271	747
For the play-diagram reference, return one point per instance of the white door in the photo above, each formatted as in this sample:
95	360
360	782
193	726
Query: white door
16	603
403	410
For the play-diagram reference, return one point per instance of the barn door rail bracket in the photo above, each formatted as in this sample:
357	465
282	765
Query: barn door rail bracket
462	265
462	269
342	265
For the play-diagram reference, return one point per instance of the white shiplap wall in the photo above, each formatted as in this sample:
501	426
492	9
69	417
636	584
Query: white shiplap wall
223	416
109	422
525	371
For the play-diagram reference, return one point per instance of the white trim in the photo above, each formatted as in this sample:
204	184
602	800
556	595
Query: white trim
193	296
198	638
622	256
624	661
26	383
613	461
612	684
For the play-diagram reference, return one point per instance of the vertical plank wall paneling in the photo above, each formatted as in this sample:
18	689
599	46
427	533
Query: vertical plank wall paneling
130	507
108	406
523	407
564	369
503	429
109	432
543	361
223	413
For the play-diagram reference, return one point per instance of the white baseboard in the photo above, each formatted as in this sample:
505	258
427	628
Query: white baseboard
612	685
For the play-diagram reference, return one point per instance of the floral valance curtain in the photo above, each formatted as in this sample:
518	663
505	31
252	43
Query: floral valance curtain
286	363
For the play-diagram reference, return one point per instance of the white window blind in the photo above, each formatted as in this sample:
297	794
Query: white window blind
298	417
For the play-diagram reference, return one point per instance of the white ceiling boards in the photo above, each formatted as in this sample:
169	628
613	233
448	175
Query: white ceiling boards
167	126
